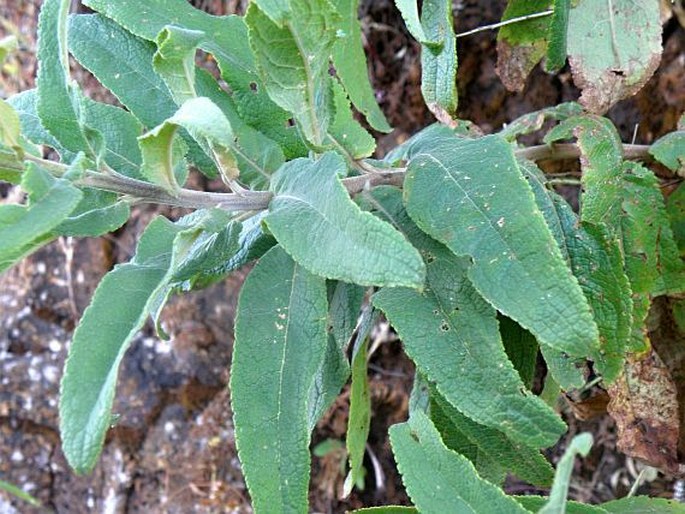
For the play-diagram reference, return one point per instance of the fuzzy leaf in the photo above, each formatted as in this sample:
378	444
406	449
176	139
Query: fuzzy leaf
601	156
669	150
556	504
492	445
314	219
438	479
123	64
557	36
614	48
24	229
174	60
117	311
644	505
98	212
359	421
279	346
521	45
345	131
293	62
439	65
57	99
452	335
597	262
350	64
470	195
227	40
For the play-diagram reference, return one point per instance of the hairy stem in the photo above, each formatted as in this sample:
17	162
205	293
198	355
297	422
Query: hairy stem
258	200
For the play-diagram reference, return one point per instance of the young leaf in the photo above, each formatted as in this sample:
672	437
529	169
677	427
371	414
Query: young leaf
57	102
25	229
556	504
279	346
439	65
227	40
345	302
313	218
117	311
613	48
9	126
24	104
439	480
493	446
534	121
669	150
163	162
123	64
350	64
359	420
293	62
597	262
174	60
470	195
452	335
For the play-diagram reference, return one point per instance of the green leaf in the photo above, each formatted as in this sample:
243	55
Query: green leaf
521	45
350	64
280	341
58	105
163	162
359	421
455	439
521	347
98	212
345	304
675	206
388	509
439	65
613	59
410	13
345	131
557	36
643	505
9	126
8	44
116	313
120	131
293	62
174	60
556	504
669	150
470	195
452	335
600	146
597	262
227	40
24	104
494	447
24	229
534	121
439	480
314	219
535	503
123	64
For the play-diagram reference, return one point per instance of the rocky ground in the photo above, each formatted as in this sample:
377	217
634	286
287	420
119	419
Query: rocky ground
172	448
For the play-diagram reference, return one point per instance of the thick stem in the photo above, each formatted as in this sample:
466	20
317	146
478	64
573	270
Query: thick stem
258	200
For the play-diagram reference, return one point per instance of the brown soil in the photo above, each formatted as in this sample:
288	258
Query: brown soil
172	449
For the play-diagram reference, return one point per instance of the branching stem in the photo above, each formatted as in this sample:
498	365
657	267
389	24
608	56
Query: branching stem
258	200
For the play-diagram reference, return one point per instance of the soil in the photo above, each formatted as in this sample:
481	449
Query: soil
172	448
